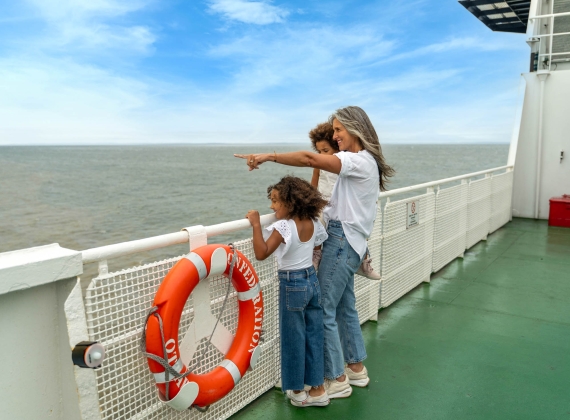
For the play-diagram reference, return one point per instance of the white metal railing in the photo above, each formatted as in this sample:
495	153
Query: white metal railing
451	219
549	51
156	242
441	182
451	215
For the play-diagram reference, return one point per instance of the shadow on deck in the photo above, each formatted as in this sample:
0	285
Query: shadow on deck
488	338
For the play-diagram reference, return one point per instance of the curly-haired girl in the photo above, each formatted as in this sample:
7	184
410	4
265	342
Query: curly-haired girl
297	231
322	140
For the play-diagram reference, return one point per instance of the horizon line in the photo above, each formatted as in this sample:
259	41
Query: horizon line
235	144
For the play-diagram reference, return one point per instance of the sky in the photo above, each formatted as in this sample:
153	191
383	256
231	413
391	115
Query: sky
81	72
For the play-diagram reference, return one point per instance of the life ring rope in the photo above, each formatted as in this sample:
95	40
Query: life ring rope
164	377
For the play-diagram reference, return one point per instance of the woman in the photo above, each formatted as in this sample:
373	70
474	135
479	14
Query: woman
349	218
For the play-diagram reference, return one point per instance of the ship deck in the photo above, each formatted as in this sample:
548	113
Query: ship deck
488	338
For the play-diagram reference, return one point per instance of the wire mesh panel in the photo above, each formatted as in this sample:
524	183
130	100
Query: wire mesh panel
450	230
478	211
116	305
406	250
367	292
501	187
368	300
375	241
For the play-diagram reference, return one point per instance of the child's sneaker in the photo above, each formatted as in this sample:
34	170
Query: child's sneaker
320	401
337	389
317	255
365	269
359	379
297	398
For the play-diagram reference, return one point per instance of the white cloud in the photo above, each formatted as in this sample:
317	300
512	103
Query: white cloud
307	56
54	101
454	44
256	12
58	10
59	102
82	25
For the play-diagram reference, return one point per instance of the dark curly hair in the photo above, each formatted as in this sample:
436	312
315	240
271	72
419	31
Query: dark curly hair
323	132
302	198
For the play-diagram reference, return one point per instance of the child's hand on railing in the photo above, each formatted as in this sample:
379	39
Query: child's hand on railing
253	217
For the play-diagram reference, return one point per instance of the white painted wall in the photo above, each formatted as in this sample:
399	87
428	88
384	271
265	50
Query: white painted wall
555	175
36	371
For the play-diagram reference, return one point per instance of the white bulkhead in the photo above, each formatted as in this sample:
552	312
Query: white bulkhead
540	147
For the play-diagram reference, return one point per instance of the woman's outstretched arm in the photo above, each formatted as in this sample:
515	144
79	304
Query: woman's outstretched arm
329	163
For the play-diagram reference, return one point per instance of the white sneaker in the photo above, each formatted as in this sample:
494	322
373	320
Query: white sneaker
359	379
320	401
367	271
337	389
299	397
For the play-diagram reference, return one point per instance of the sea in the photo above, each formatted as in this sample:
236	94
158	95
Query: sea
89	196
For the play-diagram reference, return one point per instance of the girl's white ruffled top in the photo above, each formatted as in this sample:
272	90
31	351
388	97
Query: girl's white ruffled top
294	254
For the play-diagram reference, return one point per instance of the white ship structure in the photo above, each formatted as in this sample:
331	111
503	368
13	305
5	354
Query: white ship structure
418	230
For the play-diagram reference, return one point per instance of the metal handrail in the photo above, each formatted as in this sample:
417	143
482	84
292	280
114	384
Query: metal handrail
441	181
132	247
550	15
162	241
550	34
553	54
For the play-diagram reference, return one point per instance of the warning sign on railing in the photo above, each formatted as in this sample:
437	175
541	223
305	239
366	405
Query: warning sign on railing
413	214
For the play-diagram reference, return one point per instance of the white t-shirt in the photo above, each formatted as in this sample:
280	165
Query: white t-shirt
354	198
326	183
294	254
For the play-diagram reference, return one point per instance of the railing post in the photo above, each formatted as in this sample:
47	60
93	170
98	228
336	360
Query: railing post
37	377
103	267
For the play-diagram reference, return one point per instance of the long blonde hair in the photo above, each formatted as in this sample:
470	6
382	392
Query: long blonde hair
357	123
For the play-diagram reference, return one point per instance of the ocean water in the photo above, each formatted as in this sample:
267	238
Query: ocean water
84	197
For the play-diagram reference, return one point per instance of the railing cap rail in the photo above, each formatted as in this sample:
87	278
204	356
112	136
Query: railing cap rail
549	15
441	181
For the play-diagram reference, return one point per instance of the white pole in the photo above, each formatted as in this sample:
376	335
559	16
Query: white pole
517	125
542	75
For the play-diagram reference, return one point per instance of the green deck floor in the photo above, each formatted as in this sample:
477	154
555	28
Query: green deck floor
488	338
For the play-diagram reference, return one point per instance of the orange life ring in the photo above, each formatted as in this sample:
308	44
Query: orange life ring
201	390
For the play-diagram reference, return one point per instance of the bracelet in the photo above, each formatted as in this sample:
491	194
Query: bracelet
274	156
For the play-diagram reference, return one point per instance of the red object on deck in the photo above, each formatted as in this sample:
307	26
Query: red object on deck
559	211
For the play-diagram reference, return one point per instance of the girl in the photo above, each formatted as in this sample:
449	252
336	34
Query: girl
296	205
322	139
350	217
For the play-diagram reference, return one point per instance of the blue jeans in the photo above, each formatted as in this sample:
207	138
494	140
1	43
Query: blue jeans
343	336
301	326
